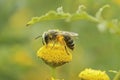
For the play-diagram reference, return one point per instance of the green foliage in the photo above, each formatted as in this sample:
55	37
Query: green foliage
51	15
60	14
80	14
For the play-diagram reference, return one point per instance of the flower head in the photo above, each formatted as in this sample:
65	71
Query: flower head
90	74
54	54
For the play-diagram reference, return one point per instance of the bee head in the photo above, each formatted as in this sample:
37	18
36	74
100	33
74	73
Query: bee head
49	36
52	34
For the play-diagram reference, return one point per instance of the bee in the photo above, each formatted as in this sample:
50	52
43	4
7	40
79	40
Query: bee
63	37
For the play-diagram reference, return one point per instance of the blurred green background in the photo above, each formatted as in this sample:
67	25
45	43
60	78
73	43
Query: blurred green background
18	47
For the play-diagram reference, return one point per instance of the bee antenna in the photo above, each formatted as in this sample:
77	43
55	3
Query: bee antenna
38	37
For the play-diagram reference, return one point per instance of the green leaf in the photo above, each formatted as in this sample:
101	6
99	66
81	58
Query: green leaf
51	15
82	15
60	14
99	13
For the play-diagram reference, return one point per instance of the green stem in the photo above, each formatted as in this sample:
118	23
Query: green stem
53	72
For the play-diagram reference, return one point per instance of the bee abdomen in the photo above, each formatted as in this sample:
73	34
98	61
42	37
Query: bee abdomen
69	42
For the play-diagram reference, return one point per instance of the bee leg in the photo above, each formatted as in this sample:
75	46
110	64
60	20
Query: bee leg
66	50
65	46
43	42
53	44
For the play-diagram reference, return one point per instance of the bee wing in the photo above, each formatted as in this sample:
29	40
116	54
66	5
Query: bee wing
70	33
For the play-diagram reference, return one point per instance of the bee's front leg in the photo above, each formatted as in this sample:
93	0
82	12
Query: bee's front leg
66	50
53	44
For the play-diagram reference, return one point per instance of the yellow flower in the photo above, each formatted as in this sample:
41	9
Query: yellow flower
54	54
90	74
